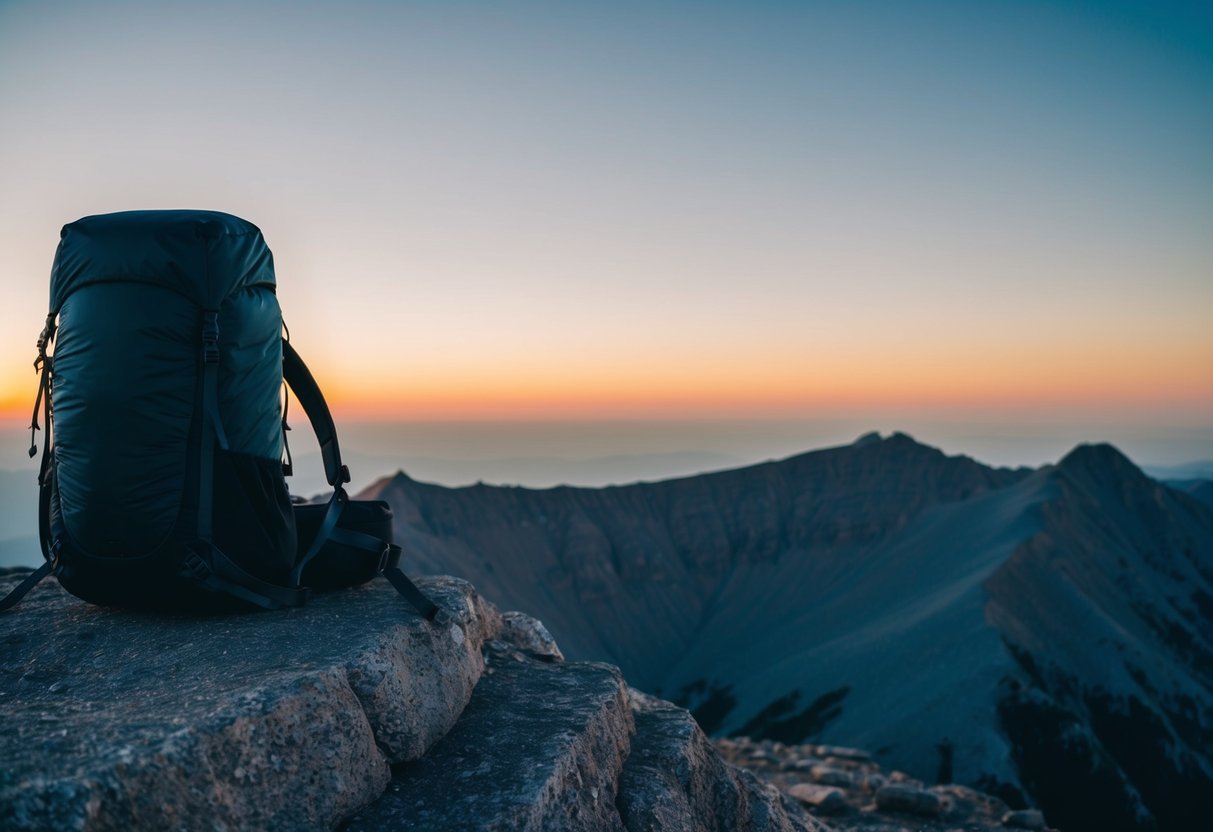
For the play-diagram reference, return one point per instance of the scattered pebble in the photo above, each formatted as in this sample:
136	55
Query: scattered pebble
824	800
1024	819
856	795
899	797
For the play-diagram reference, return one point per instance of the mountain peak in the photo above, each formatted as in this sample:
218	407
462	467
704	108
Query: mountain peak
874	437
1099	458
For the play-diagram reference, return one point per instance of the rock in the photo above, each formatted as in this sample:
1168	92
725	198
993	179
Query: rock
529	634
964	803
540	746
899	797
831	776
840	753
944	808
905	779
1024	819
285	719
870	780
824	800
674	780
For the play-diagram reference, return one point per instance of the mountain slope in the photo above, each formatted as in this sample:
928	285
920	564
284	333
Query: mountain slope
885	595
630	571
1108	611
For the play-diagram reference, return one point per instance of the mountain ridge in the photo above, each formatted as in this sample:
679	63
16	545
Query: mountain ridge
782	599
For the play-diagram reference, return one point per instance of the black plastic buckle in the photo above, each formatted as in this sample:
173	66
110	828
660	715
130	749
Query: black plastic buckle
195	567
44	340
384	558
210	337
344	474
43	359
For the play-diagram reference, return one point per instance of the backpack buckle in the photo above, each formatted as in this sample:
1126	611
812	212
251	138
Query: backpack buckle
195	567
384	558
44	340
210	337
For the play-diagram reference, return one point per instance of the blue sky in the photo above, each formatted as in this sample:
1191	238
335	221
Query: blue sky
864	211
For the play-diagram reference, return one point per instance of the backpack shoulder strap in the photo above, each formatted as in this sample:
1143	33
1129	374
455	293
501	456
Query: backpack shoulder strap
300	380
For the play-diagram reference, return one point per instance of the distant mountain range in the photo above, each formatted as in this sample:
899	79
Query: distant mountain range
19	518
1049	632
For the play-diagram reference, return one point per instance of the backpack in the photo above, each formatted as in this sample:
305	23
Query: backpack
162	482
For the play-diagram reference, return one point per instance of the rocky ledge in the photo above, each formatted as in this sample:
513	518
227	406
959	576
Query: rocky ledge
855	794
349	713
353	713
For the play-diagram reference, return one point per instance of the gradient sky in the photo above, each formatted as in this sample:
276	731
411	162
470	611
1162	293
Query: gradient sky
998	211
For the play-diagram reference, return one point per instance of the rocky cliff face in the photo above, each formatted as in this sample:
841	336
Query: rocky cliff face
354	714
1051	628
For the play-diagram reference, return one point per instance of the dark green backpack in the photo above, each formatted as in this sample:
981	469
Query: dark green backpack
162	479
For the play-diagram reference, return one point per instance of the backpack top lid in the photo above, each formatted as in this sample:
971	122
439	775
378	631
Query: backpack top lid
204	255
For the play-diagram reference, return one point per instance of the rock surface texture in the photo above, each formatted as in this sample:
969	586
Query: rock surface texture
844	786
120	720
674	780
540	746
352	713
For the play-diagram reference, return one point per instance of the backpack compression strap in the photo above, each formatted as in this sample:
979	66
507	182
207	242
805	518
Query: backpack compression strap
301	381
207	565
49	551
31	580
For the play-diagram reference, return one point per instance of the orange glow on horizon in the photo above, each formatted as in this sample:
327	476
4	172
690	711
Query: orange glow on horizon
1155	379
1138	379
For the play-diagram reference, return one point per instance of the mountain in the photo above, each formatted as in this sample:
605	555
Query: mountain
1201	489
1199	470
19	508
24	551
536	470
19	518
1051	628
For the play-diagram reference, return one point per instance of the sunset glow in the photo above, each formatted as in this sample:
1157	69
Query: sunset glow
766	210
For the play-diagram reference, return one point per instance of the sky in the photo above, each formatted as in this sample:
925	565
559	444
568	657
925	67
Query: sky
995	216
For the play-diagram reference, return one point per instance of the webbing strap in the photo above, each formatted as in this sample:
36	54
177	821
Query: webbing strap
33	422
300	379
42	366
44	479
389	567
218	573
407	589
327	525
288	464
212	426
19	591
359	540
44	518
